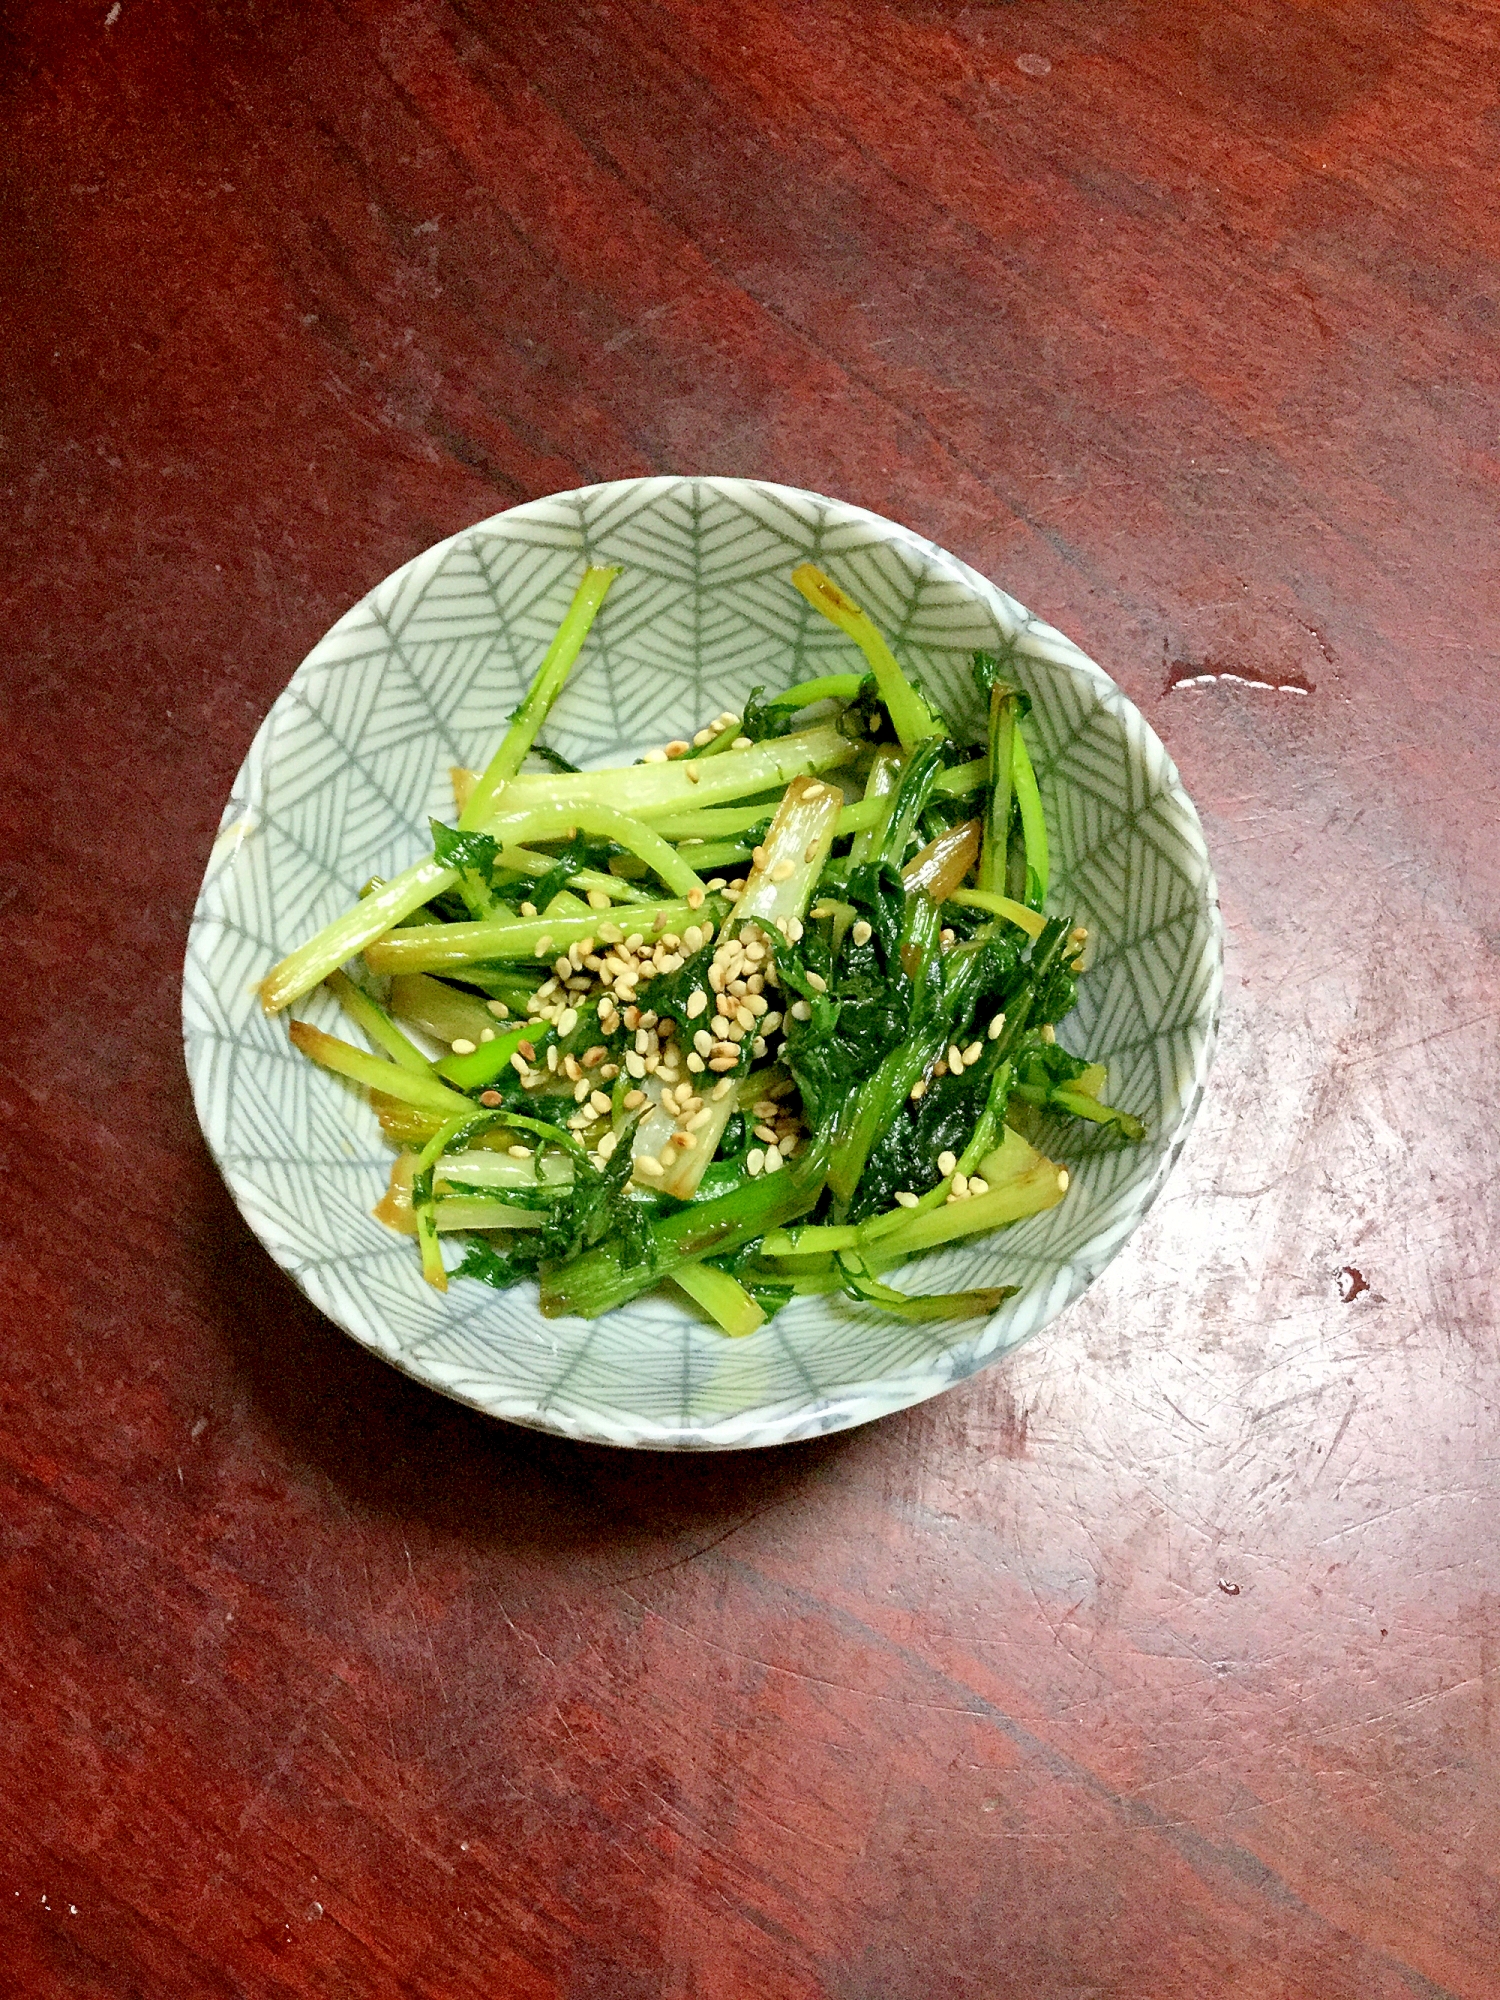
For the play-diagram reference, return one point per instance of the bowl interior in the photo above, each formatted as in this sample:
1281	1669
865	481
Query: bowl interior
419	677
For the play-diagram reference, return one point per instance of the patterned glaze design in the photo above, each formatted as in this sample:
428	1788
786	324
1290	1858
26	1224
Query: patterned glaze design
420	676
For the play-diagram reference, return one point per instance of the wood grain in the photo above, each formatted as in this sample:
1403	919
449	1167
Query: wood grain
1164	1660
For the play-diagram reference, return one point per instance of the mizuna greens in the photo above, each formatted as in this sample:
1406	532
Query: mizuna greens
767	1013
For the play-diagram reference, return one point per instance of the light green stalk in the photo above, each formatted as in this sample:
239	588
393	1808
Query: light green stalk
874	809
546	685
446	947
310	964
425	1092
722	1297
377	1024
1033	821
826	687
910	716
992	854
652	791
557	820
1030	921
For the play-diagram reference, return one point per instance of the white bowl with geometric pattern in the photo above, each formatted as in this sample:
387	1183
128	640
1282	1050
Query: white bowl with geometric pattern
420	676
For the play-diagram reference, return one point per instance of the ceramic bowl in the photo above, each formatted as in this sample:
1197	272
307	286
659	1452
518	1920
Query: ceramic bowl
420	676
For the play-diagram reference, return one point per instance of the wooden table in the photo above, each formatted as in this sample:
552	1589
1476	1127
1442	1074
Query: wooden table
1161	1661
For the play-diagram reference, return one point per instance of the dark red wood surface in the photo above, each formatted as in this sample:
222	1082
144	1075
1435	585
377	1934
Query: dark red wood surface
1162	1661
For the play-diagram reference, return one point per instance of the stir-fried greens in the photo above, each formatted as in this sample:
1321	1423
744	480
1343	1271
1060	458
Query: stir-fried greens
767	1013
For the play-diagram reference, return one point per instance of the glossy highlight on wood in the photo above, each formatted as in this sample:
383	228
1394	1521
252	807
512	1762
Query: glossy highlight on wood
1163	1660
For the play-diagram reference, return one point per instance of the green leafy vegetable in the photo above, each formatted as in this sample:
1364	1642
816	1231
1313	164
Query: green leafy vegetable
783	1023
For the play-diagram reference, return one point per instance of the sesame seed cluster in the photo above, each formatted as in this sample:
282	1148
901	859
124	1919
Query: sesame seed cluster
690	1060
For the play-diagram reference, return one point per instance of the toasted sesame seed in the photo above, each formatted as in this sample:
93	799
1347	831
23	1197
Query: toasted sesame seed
960	1186
634	1099
486	1035
973	1052
817	982
544	947
783	871
695	899
740	743
861	932
703	1041
906	1198
721	1090
773	1159
919	1089
947	1162
462	1048
655	756
695	1063
567	1021
745	1016
697	1002
758	856
699	1119
978	1186
997	1027
499	1009
552	1060
609	1072
940	1068
635	1064
767	1133
755	1160
1063	1177
815	790
607	1145
519	1152
703	736
652	1169
634	941
611	933
563	967
529	910
518	1063
946	936
598	1102
489	1099
800	1010
695	776
956	1059
722	1062
692	937
678	747
594	1056
581	1091
598	901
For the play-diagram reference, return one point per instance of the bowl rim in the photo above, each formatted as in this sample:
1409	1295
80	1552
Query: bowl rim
851	1404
